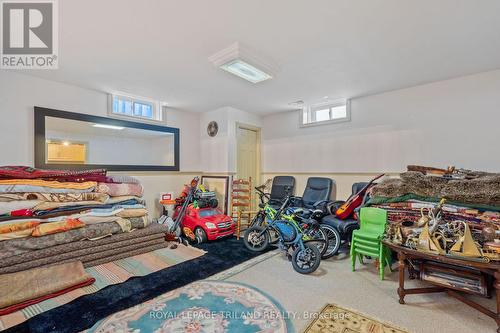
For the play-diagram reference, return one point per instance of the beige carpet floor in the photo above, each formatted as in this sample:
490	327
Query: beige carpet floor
333	282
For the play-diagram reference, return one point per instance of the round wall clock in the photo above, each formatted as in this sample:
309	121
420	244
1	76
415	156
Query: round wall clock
212	128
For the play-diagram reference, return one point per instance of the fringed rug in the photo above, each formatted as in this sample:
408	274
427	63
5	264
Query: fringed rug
108	274
334	319
204	306
83	312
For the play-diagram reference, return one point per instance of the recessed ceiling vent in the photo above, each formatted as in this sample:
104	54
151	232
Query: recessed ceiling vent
297	103
244	63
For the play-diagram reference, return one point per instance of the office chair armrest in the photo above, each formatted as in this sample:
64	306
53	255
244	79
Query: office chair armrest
296	202
322	205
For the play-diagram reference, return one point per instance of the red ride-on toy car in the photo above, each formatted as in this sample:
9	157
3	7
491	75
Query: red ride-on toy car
206	223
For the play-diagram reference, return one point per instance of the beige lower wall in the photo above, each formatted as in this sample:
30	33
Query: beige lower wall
343	181
157	182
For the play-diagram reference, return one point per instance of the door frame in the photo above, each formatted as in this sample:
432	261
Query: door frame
258	149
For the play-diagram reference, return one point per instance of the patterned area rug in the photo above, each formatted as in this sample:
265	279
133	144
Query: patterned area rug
202	307
334	319
108	274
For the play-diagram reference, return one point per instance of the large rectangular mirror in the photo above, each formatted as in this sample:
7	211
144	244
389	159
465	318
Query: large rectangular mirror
67	140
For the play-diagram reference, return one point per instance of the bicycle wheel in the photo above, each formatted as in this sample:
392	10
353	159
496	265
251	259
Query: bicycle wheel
333	243
252	240
319	238
306	260
260	221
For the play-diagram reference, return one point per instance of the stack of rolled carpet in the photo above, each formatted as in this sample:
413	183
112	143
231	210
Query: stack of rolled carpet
59	216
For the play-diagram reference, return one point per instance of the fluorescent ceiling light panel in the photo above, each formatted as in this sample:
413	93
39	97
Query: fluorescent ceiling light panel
108	126
243	62
246	71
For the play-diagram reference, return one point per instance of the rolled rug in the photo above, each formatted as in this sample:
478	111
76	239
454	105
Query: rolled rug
71	208
15	247
18	188
147	232
125	252
7	207
25	172
121	179
89	253
114	189
17	234
122	198
49	184
134	212
17	226
54	197
37	229
54	205
57	227
88	214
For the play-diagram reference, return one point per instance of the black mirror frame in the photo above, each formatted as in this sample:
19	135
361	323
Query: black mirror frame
40	158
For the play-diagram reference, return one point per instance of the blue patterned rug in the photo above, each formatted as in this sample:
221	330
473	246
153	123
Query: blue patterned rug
202	307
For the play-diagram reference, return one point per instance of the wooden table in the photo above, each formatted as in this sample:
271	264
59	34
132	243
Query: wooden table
492	268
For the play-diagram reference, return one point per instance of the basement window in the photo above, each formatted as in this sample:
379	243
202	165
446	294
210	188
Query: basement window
326	113
133	107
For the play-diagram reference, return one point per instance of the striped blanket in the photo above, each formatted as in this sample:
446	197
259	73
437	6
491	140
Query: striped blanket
107	274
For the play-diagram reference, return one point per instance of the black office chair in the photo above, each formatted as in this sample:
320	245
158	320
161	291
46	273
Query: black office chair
344	227
316	195
281	187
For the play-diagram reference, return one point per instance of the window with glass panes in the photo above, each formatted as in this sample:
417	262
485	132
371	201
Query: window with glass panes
132	107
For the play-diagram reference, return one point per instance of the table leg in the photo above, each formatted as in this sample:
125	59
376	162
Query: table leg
497	290
412	274
401	289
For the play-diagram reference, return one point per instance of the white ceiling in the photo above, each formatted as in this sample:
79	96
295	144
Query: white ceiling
337	48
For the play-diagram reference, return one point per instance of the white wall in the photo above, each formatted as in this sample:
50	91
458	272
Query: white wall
218	154
19	93
214	150
453	122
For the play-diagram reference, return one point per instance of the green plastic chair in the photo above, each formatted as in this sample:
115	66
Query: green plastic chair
366	241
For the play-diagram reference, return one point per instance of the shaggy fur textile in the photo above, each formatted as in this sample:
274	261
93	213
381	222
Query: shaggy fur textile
484	189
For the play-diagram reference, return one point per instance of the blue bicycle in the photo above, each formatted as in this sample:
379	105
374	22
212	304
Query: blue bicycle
305	256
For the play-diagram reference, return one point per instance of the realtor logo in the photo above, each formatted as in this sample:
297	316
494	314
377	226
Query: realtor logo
29	34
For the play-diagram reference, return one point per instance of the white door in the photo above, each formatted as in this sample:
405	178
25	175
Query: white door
247	155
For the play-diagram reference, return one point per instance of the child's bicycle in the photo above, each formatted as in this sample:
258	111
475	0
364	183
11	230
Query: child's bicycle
305	256
311	226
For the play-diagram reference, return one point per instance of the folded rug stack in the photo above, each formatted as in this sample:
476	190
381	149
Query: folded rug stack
22	289
59	216
475	201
